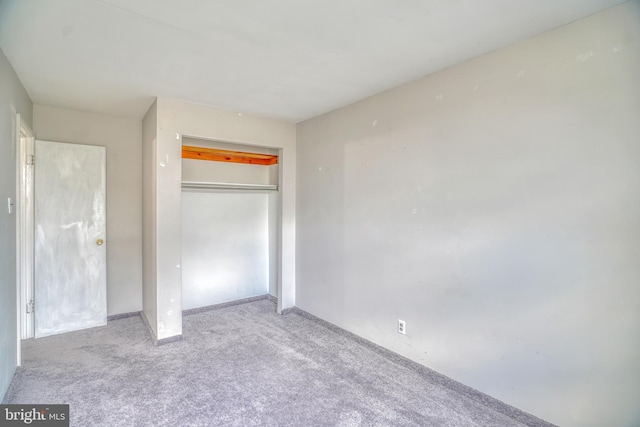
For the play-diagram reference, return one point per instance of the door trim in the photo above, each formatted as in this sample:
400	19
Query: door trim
25	141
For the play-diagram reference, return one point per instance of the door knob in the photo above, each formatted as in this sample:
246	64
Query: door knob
99	242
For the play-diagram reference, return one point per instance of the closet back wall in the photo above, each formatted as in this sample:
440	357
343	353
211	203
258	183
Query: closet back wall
225	246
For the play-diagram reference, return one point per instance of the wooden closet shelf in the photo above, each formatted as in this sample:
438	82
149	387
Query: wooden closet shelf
217	155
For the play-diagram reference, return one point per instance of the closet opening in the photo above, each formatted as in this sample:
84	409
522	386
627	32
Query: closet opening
230	220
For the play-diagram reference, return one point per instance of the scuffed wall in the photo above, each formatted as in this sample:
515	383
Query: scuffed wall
495	207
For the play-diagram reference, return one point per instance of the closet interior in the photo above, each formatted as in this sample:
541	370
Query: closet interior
230	216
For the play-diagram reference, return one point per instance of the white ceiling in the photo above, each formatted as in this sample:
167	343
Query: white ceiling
290	59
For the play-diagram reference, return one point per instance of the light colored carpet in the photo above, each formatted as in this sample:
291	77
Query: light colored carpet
237	366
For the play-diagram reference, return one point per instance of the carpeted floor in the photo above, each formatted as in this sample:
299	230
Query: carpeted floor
237	366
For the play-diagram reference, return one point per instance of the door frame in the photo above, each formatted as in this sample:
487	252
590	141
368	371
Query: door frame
25	143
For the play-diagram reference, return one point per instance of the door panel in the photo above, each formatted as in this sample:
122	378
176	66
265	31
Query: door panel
70	232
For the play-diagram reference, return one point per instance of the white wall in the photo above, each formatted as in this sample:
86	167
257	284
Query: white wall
123	139
238	173
225	246
149	288
495	207
13	99
274	238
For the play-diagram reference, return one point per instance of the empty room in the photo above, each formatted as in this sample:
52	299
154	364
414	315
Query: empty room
343	213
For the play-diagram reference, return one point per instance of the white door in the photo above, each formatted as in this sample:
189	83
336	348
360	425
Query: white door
70	237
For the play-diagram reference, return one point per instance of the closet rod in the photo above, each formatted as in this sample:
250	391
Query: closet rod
228	186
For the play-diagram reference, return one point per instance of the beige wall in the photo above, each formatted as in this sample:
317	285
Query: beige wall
495	207
13	100
122	137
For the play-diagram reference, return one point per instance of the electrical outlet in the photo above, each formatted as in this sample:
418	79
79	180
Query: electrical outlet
402	327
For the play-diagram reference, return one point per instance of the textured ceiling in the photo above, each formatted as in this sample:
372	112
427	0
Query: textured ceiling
289	59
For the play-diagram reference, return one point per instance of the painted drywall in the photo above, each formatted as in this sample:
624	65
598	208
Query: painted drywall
13	100
122	138
176	119
198	170
149	289
274	239
225	246
495	207
162	166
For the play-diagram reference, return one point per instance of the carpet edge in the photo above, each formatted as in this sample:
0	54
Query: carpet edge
438	378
